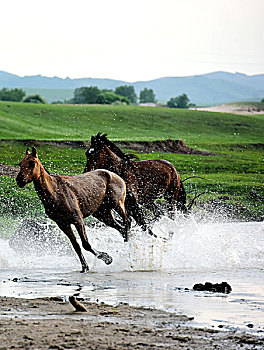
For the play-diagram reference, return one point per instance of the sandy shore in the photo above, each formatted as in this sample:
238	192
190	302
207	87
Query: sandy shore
233	109
52	323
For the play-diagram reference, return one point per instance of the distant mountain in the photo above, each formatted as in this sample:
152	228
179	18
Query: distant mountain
207	89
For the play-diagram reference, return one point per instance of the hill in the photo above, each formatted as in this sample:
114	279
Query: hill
208	89
127	123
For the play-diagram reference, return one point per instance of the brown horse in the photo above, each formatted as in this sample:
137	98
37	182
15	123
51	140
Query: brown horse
146	180
69	199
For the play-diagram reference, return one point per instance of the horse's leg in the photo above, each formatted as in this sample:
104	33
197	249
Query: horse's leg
120	209
105	215
79	224
181	200
68	231
136	212
152	206
133	209
175	196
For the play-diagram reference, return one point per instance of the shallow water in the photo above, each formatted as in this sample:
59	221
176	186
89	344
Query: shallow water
157	273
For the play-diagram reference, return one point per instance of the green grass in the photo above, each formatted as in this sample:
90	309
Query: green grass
235	169
65	122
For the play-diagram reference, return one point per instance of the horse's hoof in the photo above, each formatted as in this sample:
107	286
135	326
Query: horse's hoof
105	257
85	269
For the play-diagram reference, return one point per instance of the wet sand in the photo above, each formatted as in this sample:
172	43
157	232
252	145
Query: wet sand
52	323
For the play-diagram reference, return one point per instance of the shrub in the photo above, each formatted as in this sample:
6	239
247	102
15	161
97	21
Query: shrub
34	99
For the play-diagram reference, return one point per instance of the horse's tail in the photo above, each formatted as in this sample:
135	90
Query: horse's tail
181	200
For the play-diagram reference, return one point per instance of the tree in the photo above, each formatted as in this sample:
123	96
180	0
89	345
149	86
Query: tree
15	95
147	95
262	101
127	91
34	99
108	97
86	95
56	102
181	101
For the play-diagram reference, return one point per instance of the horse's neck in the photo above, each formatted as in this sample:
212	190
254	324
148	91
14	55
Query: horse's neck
44	185
123	168
114	163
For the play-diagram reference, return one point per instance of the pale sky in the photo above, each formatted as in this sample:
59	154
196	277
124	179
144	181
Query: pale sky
131	40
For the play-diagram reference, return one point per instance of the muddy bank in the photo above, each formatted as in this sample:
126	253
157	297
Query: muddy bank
8	170
167	146
52	323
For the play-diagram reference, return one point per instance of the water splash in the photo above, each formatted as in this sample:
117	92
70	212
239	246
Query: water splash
183	244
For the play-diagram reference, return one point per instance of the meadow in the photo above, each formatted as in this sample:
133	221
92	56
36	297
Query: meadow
233	172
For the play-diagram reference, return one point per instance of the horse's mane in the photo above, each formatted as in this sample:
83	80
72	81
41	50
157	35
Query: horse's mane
101	139
46	169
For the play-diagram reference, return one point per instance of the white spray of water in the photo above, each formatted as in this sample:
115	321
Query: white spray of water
183	244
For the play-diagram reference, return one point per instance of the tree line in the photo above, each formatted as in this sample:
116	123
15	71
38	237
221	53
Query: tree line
19	95
123	94
93	95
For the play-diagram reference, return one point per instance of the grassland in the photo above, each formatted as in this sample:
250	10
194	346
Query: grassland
66	122
233	170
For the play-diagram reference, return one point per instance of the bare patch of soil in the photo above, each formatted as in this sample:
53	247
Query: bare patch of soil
8	170
167	146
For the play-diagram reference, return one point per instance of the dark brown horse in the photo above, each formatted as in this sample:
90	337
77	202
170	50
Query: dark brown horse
146	180
69	199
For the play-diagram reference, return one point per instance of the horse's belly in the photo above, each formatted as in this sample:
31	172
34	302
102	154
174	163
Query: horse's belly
152	186
146	194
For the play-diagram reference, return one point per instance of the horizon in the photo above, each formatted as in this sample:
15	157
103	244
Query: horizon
131	82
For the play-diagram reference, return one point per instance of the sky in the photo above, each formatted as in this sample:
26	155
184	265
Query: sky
131	40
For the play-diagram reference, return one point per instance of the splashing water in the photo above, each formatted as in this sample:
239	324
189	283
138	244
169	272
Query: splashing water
182	245
151	271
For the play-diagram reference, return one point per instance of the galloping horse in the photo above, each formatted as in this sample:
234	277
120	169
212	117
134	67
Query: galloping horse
69	199
146	180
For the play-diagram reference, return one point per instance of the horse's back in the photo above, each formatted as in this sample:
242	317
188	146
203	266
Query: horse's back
154	178
95	183
154	168
88	191
116	186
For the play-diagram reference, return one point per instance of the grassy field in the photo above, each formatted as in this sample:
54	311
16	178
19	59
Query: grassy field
235	169
66	122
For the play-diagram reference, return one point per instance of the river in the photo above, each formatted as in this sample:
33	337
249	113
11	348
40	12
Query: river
153	272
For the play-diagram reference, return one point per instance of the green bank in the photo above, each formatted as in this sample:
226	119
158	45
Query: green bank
233	172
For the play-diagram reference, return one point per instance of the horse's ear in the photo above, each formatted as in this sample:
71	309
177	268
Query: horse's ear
34	152
27	152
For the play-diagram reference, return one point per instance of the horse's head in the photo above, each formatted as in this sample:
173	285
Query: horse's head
95	154
29	168
104	154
